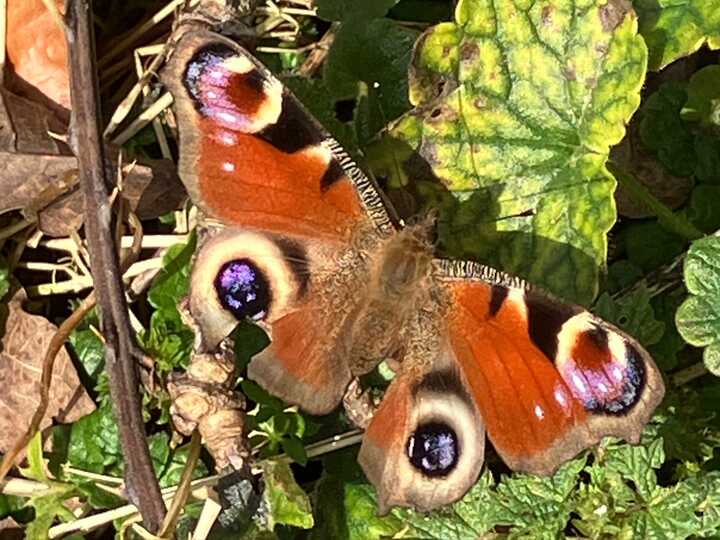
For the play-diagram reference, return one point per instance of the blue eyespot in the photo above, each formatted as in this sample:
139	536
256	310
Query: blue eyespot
243	289
433	449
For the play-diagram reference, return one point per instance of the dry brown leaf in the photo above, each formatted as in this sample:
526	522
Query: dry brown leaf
30	182
22	350
204	398
45	185
25	126
37	48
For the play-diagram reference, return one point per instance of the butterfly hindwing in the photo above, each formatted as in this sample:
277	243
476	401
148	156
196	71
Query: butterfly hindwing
425	444
268	278
550	379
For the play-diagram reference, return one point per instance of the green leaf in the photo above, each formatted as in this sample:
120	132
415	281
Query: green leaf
707	150
12	506
316	96
259	395
4	278
676	28
370	62
172	473
665	352
637	464
609	508
536	506
649	245
168	340
173	281
94	441
664	132
287	503
633	313
704	207
36	466
362	515
48	506
703	104
249	340
521	102
529	506
689	425
622	274
89	350
698	318
428	11
159	446
294	447
352	10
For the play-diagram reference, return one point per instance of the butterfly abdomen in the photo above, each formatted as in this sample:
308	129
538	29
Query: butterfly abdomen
396	287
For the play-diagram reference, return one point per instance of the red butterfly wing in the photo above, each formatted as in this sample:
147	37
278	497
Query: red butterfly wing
292	202
550	379
252	156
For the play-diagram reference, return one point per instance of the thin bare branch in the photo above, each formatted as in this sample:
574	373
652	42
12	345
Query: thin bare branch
86	141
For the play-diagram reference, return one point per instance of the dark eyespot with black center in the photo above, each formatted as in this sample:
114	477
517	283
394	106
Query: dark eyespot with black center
243	289
433	449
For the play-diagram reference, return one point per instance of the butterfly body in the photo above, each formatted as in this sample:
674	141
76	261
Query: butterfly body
303	243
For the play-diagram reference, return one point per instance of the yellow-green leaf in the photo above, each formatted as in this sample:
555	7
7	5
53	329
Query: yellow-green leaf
675	28
286	502
698	318
518	105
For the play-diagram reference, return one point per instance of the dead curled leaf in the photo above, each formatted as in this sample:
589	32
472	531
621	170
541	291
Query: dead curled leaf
37	48
25	126
45	185
203	398
22	348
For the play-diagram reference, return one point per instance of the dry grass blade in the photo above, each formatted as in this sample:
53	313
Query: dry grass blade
144	119
183	491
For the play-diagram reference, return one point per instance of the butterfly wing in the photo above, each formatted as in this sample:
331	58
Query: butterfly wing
252	156
425	444
550	379
294	204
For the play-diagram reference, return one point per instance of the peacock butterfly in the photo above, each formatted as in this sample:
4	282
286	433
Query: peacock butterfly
303	243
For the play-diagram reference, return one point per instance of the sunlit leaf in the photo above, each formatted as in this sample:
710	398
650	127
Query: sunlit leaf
521	102
698	318
673	29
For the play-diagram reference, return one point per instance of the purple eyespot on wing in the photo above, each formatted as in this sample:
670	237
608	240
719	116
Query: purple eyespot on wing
433	449
243	289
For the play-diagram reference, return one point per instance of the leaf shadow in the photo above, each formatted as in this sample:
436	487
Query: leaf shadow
471	226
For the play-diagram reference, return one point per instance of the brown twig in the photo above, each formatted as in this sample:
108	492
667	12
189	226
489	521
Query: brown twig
689	374
317	56
86	141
